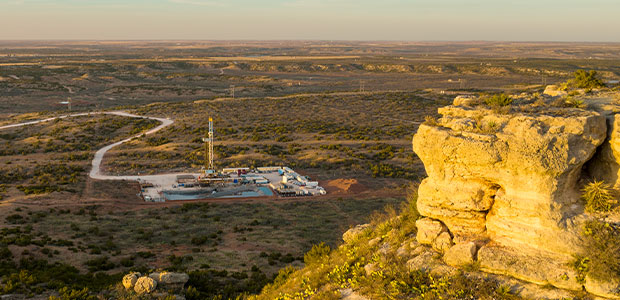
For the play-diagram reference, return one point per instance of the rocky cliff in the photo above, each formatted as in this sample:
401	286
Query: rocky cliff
509	183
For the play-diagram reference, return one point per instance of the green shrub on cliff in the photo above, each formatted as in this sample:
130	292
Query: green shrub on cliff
70	294
598	197
316	254
369	265
601	251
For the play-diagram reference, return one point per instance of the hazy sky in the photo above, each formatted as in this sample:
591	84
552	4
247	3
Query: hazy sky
515	20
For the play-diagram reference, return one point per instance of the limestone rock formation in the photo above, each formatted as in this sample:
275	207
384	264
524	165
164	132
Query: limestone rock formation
606	164
350	234
516	184
464	100
349	294
155	276
167	281
461	254
504	187
554	91
129	280
428	230
173	278
443	242
170	280
537	267
145	285
173	281
609	289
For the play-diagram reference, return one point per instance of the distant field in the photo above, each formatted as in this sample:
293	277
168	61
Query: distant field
38	76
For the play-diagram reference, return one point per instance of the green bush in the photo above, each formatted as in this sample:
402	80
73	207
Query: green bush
601	251
100	264
498	100
573	102
585	80
317	253
15	219
598	197
71	294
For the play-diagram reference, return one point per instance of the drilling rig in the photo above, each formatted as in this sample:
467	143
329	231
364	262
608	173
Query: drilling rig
209	167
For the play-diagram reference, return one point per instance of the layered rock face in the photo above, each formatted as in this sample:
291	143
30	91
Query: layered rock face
515	182
508	183
606	164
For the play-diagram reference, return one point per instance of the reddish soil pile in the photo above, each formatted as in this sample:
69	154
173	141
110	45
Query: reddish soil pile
344	186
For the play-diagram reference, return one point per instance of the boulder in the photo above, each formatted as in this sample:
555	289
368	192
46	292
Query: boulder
170	280
145	285
443	242
418	250
461	254
429	262
384	249
129	280
402	251
554	91
423	262
350	234
370	268
428	230
349	294
374	241
464	101
173	278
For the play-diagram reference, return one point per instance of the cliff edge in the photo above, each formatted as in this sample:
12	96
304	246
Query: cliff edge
508	181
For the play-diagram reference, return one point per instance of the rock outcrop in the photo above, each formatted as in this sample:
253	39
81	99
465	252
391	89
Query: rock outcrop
145	285
168	281
554	91
350	234
172	281
606	164
461	254
129	280
503	187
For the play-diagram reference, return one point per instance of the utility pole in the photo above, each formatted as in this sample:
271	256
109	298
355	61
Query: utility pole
232	90
69	103
544	80
462	83
361	86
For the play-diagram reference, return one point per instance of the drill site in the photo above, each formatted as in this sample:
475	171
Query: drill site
240	182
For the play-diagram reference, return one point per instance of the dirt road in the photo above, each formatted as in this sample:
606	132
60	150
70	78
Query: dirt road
95	171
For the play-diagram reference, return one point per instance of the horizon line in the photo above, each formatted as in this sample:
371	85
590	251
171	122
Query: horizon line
305	40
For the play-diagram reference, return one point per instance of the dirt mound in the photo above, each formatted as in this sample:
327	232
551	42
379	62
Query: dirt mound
344	186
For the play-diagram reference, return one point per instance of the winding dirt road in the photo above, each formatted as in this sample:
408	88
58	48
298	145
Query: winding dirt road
95	171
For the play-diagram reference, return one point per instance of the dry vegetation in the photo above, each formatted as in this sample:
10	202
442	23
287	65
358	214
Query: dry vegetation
297	104
362	136
55	156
